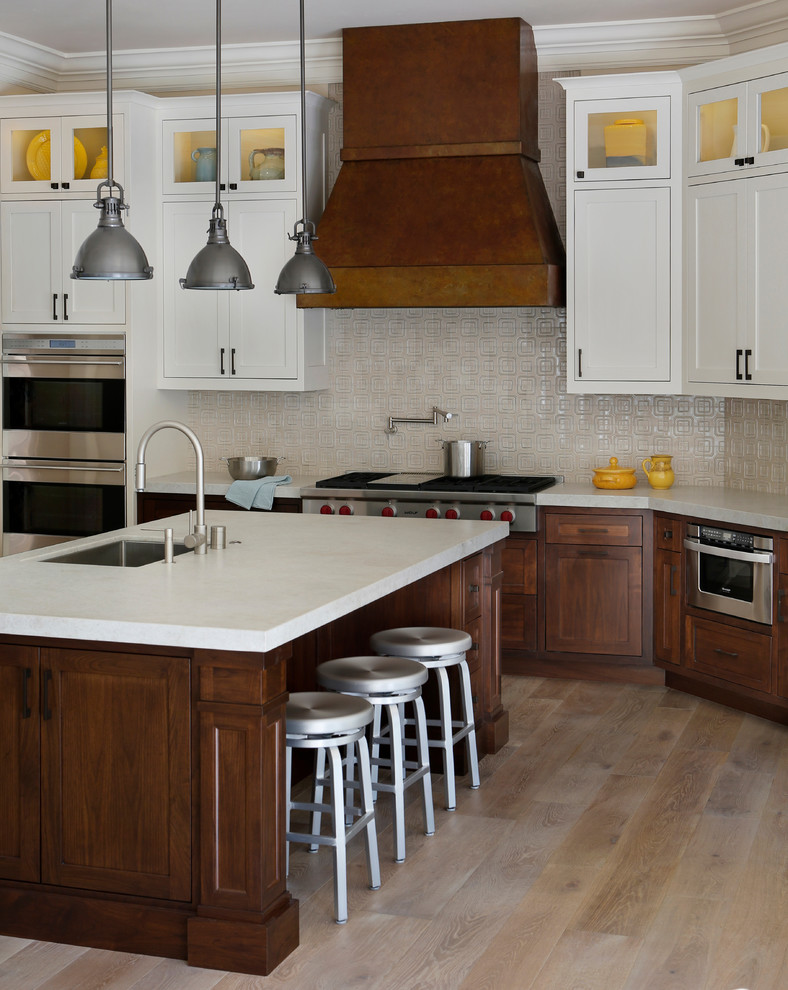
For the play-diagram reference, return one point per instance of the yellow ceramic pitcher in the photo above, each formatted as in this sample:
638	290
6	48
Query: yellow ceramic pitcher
659	472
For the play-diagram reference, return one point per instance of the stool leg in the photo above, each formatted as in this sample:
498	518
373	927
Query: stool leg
288	784
447	732
397	781
339	844
376	729
423	750
467	714
367	808
317	792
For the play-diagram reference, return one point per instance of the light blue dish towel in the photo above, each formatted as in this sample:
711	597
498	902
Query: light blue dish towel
256	494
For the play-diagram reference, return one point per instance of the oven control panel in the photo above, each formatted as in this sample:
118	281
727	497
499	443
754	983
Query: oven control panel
726	537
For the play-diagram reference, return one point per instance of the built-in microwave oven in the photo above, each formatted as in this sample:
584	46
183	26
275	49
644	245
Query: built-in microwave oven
730	572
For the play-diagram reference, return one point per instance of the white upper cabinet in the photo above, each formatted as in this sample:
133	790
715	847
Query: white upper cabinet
58	156
259	155
622	139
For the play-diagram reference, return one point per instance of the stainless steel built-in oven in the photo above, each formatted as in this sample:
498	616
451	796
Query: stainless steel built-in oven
64	437
730	572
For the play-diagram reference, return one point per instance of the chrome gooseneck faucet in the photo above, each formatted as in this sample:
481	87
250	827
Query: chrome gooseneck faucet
198	539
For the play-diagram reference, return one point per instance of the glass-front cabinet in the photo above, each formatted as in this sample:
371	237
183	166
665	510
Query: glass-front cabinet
258	155
56	155
738	126
622	139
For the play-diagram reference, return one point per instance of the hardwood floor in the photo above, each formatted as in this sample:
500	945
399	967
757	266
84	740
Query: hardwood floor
627	838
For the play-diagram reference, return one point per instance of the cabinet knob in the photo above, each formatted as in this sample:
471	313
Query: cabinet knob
54	185
65	185
581	175
473	588
738	161
233	185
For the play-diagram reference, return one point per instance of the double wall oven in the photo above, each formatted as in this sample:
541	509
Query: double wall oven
64	437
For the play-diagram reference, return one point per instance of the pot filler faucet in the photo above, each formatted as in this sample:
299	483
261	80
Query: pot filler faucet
198	539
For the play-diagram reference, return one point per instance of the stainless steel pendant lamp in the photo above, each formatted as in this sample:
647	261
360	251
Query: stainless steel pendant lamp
218	265
110	252
304	272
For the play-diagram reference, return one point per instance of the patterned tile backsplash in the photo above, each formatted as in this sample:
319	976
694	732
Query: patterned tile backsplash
502	372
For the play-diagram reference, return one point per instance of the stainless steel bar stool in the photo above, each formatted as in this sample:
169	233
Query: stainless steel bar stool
325	722
389	683
439	650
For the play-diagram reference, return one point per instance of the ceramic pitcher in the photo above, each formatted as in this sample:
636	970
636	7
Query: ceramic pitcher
271	167
658	470
206	164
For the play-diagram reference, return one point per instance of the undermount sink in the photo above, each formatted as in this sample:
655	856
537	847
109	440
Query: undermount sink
120	553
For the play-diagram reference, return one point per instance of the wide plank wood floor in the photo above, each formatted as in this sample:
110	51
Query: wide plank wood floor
628	837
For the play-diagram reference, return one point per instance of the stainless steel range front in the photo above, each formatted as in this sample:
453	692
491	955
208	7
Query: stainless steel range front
486	497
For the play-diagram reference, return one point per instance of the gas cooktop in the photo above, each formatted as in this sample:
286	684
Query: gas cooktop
425	482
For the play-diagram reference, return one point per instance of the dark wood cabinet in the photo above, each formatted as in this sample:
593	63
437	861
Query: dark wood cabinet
593	585
159	505
668	585
729	653
19	763
519	592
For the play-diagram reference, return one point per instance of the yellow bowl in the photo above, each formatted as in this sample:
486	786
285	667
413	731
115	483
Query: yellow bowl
614	477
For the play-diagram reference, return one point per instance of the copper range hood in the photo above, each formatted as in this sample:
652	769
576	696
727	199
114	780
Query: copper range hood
439	200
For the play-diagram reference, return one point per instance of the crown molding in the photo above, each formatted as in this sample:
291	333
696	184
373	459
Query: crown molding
601	46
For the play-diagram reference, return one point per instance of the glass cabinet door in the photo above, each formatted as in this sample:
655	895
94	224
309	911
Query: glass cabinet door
189	156
622	139
262	153
767	109
57	154
718	129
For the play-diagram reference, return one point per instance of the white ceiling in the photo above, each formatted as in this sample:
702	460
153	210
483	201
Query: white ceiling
167	46
76	28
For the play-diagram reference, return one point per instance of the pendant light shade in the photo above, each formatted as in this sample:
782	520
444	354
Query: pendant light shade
305	272
218	265
110	252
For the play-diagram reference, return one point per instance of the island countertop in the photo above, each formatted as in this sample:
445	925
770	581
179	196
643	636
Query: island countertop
280	577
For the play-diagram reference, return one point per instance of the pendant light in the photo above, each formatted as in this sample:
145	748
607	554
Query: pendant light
110	252
305	272
218	265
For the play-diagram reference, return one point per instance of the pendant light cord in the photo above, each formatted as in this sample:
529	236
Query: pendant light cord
217	209
302	50
110	175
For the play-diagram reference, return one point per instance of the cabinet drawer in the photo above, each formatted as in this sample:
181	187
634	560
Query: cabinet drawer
730	653
667	533
472	584
612	530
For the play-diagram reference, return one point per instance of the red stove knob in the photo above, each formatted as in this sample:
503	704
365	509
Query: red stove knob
507	515
452	513
388	510
346	510
326	510
487	515
433	513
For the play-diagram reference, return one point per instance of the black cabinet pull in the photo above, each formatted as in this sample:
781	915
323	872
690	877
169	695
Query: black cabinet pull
473	588
65	306
233	185
780	597
221	360
593	553
54	305
221	186
667	534
738	366
738	161
232	360
673	589
27	675
592	529
749	161
53	185
747	375
725	653
580	362
66	185
474	646
46	710
581	175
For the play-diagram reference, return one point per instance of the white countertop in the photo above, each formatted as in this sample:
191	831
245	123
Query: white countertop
290	574
714	503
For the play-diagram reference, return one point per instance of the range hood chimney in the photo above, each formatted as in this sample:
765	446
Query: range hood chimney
439	200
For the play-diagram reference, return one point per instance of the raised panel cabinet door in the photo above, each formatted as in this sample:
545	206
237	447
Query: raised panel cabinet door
768	287
263	325
667	606
622	302
196	322
594	600
30	266
716	282
116	772
19	763
781	631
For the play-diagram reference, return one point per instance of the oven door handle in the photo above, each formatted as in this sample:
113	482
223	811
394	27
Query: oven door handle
68	362
755	556
63	467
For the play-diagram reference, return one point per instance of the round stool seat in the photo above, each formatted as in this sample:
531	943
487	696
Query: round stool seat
421	641
319	713
372	675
